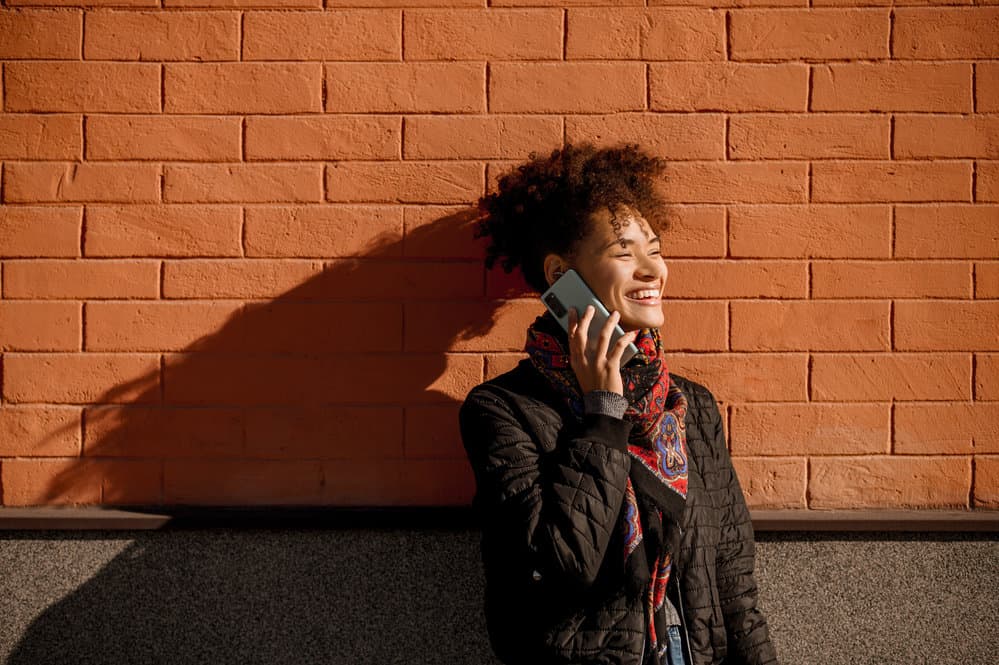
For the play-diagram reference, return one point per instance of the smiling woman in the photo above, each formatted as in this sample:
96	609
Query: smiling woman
614	528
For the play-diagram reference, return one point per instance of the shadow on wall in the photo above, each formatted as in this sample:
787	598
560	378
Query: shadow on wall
345	597
341	391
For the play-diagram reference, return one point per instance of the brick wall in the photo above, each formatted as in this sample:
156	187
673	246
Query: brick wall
236	261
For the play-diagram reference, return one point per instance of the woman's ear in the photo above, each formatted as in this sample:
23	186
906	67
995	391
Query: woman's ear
554	267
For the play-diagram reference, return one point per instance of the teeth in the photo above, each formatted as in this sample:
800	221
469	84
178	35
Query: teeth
638	295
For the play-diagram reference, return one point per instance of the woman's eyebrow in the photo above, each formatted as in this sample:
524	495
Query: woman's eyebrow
629	241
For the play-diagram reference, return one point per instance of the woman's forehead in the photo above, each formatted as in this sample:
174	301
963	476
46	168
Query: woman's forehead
604	225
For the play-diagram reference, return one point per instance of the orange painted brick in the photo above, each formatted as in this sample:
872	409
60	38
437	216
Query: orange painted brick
93	87
153	431
58	278
557	3
646	34
694	230
566	87
410	3
946	231
238	183
242	87
695	325
324	432
772	483
946	325
40	326
737	182
950	33
40	231
33	482
323	231
892	86
365	482
419	482
873	377
159	326
947	428
810	231
162	230
30	136
480	137
986	87
987	181
39	431
41	34
497	363
810	325
728	86
889	482
250	4
441	232
404	182
329	137
483	34
809	136
163	137
890	181
946	136
256	278
438	482
341	34
986	376
737	279
90	3
344	378
410	280
669	135
405	87
81	378
242	482
448	326
30	182
68	481
432	432
161	36
816	34
742	377
986	481
986	280
891	279
320	327
810	429
501	285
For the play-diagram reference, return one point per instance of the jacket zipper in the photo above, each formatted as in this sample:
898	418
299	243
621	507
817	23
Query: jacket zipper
683	619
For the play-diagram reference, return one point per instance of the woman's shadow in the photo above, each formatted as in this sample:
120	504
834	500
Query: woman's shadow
341	391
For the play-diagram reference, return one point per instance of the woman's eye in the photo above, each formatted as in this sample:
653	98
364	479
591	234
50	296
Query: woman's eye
622	256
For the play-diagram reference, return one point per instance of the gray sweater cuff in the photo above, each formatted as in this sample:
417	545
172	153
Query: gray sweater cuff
605	402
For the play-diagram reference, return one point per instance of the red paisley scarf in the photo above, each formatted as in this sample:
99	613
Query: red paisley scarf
657	482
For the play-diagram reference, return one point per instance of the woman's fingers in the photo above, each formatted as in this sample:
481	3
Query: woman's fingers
621	345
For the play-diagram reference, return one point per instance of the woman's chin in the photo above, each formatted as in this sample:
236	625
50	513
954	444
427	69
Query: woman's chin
637	323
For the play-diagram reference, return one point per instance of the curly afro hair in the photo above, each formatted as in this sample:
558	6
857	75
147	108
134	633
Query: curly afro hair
543	206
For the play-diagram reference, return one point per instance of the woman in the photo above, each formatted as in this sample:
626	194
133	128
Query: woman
614	529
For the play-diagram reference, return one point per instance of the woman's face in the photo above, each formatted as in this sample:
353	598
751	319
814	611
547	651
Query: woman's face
620	260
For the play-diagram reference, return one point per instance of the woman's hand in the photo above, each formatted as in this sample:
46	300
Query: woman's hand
594	367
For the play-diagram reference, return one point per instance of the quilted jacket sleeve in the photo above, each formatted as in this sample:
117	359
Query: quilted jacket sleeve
748	635
557	511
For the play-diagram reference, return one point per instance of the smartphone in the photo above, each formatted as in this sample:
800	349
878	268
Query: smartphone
571	292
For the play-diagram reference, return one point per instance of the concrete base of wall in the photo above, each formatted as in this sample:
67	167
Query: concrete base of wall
394	595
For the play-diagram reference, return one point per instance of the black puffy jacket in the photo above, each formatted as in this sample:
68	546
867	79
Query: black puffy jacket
549	489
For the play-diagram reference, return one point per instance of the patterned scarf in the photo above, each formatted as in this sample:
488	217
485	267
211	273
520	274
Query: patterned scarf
657	482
